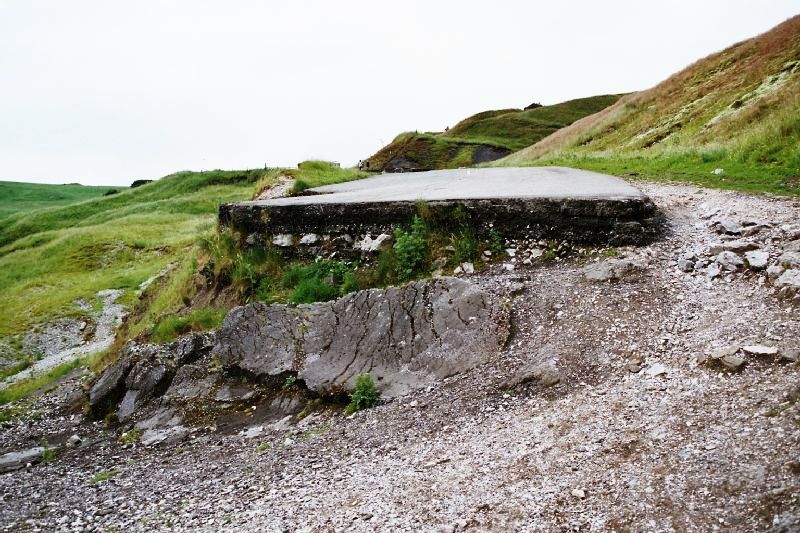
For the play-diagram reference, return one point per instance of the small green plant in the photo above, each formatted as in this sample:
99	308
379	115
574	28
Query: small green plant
131	437
410	249
105	475
610	252
366	395
496	243
289	382
261	448
49	453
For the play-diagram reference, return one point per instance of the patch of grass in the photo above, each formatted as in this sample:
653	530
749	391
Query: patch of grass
485	136
49	453
39	381
22	197
171	327
738	110
365	395
105	475
15	368
131	437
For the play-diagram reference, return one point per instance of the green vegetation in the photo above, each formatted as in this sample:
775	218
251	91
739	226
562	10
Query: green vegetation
131	437
105	475
411	249
366	395
50	257
310	174
737	110
49	454
484	137
170	327
25	387
23	197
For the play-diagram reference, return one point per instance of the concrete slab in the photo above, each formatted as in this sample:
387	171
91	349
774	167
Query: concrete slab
469	184
530	202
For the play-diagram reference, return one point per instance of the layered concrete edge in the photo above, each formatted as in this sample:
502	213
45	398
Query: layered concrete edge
615	218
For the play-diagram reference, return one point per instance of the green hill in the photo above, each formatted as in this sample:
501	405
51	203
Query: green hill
15	196
737	110
50	257
483	137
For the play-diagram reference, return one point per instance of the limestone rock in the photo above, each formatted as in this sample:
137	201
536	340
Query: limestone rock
758	349
774	272
789	279
284	240
309	238
733	362
790	259
757	259
406	337
729	261
686	265
737	246
727	225
370	245
15	460
611	269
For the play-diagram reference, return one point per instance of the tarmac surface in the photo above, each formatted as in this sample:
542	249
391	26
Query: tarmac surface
469	184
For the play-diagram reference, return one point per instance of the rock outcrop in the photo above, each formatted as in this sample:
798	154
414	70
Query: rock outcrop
405	337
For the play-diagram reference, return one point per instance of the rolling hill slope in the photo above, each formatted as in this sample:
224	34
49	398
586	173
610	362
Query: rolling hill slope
737	110
483	137
17	196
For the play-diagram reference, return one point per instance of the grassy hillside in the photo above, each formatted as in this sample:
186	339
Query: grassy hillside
50	257
483	137
16	196
738	110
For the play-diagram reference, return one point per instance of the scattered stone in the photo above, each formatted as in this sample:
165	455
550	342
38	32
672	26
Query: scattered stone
656	370
758	349
790	260
465	268
774	272
611	269
309	238
737	246
757	259
284	240
686	265
73	441
370	245
726	225
734	362
789	279
16	460
516	288
791	354
793	246
718	171
713	270
729	261
578	493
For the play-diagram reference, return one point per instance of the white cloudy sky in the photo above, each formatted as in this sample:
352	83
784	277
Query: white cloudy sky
107	91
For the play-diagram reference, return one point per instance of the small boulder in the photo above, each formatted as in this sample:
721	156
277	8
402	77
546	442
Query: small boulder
685	265
738	246
790	279
774	272
610	270
757	259
733	362
790	259
729	261
309	238
758	349
370	245
727	226
284	240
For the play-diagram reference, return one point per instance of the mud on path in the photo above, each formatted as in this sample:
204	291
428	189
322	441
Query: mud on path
602	413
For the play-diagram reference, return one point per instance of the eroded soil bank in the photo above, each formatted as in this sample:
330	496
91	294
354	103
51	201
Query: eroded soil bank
613	406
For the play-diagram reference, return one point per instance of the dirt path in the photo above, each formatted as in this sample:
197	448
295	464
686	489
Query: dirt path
638	433
109	320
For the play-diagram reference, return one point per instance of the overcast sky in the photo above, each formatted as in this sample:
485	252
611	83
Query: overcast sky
108	91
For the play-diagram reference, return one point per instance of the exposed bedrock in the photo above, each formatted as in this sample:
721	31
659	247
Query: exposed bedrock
406	337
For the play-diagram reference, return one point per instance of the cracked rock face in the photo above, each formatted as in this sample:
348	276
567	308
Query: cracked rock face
406	337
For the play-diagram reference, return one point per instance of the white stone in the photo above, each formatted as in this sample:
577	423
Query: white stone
758	349
757	259
309	238
283	239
